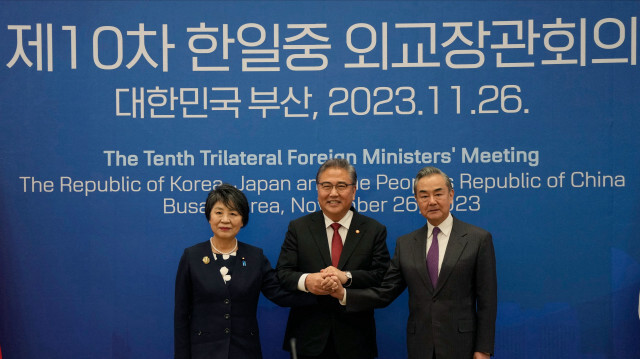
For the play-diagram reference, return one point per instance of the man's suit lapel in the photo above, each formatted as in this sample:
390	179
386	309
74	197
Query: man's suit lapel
457	242
319	233
420	255
354	235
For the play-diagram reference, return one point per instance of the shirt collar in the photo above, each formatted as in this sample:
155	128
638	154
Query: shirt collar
345	221
445	226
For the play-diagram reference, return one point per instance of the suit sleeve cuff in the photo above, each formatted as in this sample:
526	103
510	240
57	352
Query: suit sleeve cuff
343	301
301	286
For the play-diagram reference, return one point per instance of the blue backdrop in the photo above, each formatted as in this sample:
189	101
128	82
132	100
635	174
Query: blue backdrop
117	117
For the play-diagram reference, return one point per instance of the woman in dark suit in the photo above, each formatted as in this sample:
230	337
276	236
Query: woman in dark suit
218	285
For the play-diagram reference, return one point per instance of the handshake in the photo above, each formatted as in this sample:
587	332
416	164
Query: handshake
328	281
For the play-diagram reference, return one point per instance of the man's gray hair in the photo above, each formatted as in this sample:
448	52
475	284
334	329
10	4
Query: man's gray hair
430	171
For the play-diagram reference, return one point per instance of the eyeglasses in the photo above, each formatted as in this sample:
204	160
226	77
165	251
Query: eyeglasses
340	186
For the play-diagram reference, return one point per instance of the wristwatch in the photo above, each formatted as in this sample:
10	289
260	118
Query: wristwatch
349	279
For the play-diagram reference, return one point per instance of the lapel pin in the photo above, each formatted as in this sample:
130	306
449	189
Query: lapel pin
244	262
206	260
357	231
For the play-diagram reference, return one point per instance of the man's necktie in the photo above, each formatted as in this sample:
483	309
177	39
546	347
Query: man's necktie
336	245
433	256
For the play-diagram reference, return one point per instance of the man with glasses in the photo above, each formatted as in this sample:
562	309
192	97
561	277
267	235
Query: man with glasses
340	242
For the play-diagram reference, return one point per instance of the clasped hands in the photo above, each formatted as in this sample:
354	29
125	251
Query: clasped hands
328	281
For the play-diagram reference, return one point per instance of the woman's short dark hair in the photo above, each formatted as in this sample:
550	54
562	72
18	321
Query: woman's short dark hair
231	197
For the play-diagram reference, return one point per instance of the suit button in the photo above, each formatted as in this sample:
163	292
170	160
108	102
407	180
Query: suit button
227	316
227	330
227	301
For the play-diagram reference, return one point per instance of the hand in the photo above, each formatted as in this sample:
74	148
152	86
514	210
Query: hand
337	293
316	283
479	355
330	283
335	271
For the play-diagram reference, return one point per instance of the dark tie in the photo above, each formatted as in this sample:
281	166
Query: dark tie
336	245
433	256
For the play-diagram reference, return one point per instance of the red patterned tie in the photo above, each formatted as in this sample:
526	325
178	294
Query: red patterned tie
336	245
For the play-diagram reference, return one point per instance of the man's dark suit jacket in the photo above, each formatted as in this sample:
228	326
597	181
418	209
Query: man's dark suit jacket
306	250
217	320
456	318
